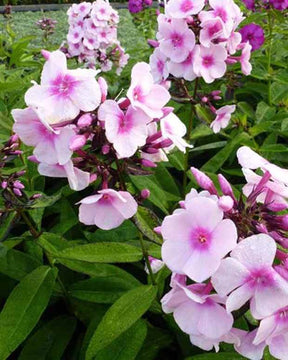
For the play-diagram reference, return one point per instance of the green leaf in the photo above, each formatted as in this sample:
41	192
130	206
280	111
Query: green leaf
264	112
274	148
108	252
219	356
45	201
146	221
17	264
53	243
127	345
6	223
103	290
120	317
50	341
24	307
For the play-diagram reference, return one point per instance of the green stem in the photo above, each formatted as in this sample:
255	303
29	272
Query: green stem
145	254
269	55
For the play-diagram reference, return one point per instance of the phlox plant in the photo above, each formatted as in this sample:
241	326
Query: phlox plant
151	221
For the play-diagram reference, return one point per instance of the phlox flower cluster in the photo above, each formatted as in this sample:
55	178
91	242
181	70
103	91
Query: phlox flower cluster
78	134
92	36
258	4
198	39
47	25
228	255
136	6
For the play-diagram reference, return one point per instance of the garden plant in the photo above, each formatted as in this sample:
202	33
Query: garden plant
144	182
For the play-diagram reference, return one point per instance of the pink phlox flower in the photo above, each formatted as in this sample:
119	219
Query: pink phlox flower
107	209
63	93
158	64
184	69
223	118
101	10
181	9
273	330
246	347
212	29
75	35
176	40
210	62
78	11
194	236
51	146
173	128
198	314
248	275
78	179
246	66
144	94
126	131
233	42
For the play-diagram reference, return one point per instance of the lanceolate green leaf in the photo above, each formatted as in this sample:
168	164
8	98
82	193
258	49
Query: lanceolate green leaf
50	341
220	356
120	317
24	307
102	253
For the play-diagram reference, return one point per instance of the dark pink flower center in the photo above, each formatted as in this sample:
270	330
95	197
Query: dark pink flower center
137	93
261	277
125	124
221	12
160	66
63	85
186	5
177	40
200	238
282	315
214	29
208	61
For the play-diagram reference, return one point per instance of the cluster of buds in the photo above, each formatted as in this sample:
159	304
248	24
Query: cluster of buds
9	152
47	25
229	255
136	6
258	5
80	135
92	36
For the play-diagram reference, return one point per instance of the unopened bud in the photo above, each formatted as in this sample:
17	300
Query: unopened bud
33	158
36	196
17	192
145	193
153	43
204	181
17	184
105	149
45	54
225	203
85	120
93	177
204	99
157	230
148	163
4	184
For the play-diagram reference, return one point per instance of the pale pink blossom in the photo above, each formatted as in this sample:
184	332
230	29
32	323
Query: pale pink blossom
78	179
246	347
90	42
176	40
75	35
248	275
273	330
198	313
181	9
210	62
246	66
101	10
50	146
126	131
144	94
233	42
195	236
107	209
63	93
173	128
212	29
184	69
223	118
78	11
158	64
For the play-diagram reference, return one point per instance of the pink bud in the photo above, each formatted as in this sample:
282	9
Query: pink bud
103	88
153	43
148	163
167	110
216	92
182	204
20	173
151	150
145	193
164	143
36	196
282	271
204	99
105	149
17	192
217	98
277	206
204	181
85	120
33	158
154	137
77	142
190	20
4	184
45	54
226	203
157	230
225	186
14	138
17	184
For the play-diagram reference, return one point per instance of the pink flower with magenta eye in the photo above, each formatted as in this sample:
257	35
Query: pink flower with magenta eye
144	94
248	275
212	29
158	64
223	117
210	62
184	69
181	9
107	209
176	40
195	236
63	93
126	131
246	66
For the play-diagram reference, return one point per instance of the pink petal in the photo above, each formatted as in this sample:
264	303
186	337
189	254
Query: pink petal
239	297
248	158
224	238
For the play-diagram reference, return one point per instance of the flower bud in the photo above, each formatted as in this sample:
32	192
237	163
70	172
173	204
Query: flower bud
153	43
145	193
105	149
204	181
157	230
4	184
226	188
85	120
45	54
17	184
17	192
226	203
148	163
